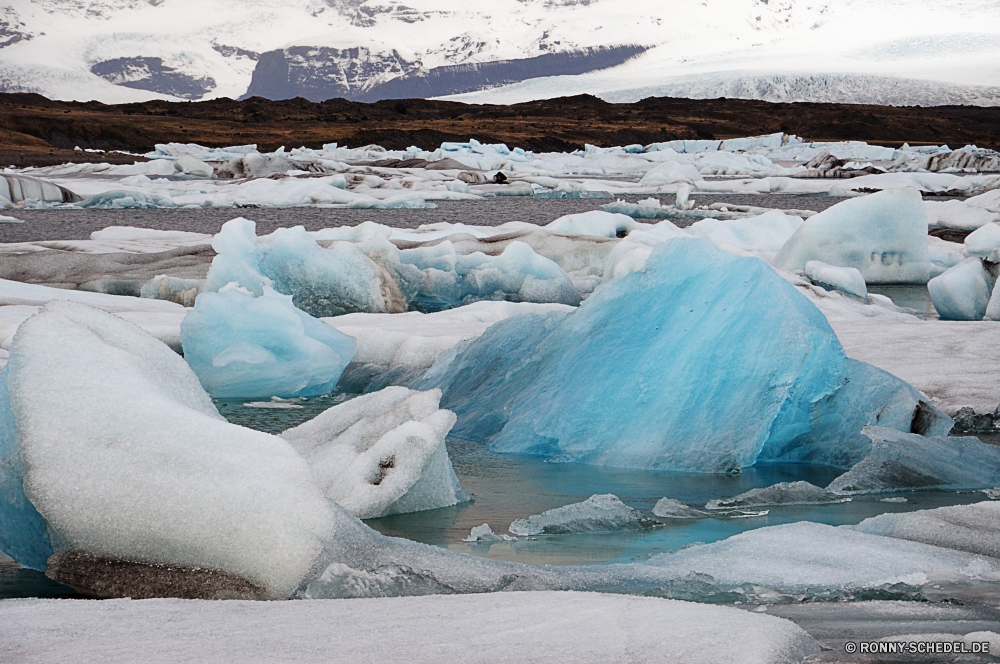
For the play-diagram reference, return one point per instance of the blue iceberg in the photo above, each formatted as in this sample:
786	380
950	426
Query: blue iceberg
702	361
242	346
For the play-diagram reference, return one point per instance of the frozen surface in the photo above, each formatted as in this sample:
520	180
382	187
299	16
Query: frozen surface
535	627
599	513
116	434
803	555
416	339
956	364
382	453
785	386
972	528
245	346
882	235
900	461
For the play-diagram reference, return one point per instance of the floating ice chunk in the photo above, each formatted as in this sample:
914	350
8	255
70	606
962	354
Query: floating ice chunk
783	493
516	275
668	508
670	172
630	254
900	461
883	235
151	473
382	453
484	533
242	346
689	368
972	528
457	186
114	200
963	292
598	514
982	241
322	282
793	557
595	222
845	279
189	165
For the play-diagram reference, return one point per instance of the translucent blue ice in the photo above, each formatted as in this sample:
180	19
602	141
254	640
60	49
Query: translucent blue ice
22	532
242	346
702	361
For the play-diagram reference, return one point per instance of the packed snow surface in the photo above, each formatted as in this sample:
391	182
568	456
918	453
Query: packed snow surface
246	346
382	453
524	627
115	433
973	528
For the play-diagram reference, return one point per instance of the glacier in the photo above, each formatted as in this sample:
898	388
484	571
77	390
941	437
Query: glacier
242	346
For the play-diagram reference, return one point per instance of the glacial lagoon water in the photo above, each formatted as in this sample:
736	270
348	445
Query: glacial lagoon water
506	487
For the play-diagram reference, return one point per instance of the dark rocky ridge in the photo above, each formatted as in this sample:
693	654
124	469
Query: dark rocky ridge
38	131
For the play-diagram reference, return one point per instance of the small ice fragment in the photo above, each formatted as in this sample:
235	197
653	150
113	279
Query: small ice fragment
992	494
892	500
668	508
597	514
484	533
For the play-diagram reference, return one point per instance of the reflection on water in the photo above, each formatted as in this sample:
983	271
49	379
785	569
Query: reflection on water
910	296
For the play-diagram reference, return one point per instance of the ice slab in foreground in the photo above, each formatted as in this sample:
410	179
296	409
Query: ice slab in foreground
246	346
525	628
972	528
883	235
116	433
661	368
382	453
598	514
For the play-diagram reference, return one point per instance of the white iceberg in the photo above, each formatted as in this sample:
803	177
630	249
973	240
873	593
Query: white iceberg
598	514
669	508
783	493
125	458
883	235
963	292
245	346
972	528
595	222
382	453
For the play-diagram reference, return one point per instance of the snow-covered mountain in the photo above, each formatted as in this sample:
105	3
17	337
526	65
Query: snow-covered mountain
887	51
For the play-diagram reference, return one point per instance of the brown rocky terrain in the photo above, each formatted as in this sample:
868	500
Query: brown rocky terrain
38	131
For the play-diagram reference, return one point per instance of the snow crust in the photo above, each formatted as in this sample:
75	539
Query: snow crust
443	628
382	453
245	346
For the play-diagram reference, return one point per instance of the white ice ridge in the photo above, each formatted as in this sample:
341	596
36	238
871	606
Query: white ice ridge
382	453
598	514
116	434
972	528
525	627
